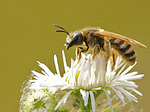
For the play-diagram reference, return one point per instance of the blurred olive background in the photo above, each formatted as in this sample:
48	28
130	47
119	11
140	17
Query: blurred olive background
27	34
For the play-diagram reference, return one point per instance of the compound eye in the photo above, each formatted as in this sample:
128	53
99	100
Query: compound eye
77	38
77	34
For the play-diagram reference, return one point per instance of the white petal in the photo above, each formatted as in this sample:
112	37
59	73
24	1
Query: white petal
136	77
120	65
63	100
64	61
92	101
119	94
99	88
85	96
56	65
136	91
118	60
123	83
102	70
109	69
44	73
132	73
72	74
37	74
68	87
128	94
109	100
121	69
45	68
85	75
47	82
128	69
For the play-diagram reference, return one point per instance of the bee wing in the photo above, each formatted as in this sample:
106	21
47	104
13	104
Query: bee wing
117	36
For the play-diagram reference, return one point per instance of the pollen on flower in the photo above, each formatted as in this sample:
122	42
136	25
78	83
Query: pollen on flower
76	76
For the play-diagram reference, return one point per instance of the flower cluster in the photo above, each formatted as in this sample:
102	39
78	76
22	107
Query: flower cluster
85	80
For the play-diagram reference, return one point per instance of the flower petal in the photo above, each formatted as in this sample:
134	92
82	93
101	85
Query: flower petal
136	91
63	100
128	94
119	94
45	68
64	61
85	96
128	69
109	100
56	65
92	101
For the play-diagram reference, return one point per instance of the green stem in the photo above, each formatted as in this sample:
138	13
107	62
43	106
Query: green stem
86	108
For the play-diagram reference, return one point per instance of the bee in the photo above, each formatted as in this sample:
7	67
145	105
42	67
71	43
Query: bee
100	40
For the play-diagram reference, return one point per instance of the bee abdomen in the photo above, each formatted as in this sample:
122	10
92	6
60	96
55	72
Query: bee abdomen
124	49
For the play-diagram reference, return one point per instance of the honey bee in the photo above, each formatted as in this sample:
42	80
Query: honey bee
100	40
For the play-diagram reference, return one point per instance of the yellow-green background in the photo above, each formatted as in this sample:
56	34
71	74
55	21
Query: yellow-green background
27	35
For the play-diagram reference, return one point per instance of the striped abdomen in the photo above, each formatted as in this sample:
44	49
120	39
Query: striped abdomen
124	49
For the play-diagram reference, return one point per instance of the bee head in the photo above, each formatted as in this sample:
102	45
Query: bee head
75	38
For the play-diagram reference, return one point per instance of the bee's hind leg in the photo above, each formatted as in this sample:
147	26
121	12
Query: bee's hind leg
114	59
109	53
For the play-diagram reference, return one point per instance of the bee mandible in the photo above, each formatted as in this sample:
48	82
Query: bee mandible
100	40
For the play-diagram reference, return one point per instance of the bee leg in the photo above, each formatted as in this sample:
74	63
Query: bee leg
110	53
79	51
96	50
108	50
114	59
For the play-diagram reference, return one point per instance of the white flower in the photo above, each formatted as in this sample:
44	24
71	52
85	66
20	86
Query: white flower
88	76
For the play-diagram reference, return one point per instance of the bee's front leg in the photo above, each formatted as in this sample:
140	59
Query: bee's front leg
96	50
80	50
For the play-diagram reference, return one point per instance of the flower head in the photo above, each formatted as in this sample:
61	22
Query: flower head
90	78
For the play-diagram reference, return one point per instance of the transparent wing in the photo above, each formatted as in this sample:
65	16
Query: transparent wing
118	36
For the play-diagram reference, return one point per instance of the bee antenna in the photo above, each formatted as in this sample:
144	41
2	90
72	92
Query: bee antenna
60	31
63	30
